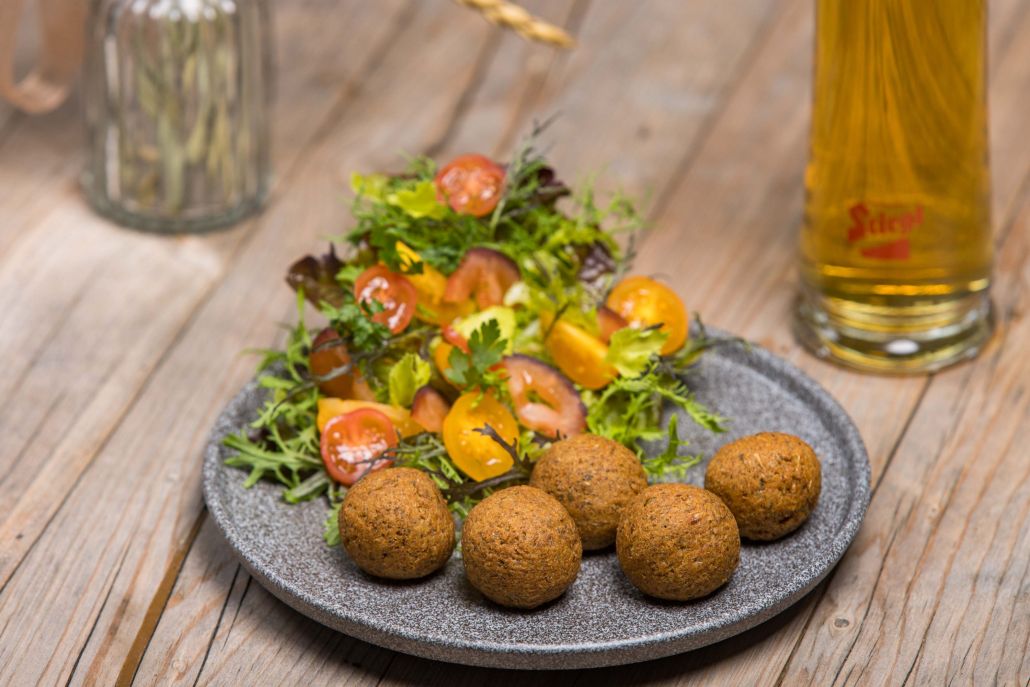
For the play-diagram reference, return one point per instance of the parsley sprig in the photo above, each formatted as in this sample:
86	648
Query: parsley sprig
475	369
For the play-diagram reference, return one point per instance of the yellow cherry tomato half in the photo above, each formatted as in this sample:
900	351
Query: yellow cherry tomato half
643	302
430	285
580	355
328	408
475	454
441	356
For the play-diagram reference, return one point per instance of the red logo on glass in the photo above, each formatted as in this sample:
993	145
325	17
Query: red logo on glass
884	234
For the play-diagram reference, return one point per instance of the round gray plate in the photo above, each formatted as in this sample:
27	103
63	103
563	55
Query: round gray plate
602	620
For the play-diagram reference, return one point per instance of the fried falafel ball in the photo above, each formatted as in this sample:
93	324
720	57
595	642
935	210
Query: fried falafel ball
770	481
520	547
677	542
594	478
394	523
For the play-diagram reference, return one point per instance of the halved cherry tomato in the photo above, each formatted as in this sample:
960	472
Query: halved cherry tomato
430	285
442	353
484	273
645	302
442	358
544	399
454	338
609	322
328	408
352	442
326	357
429	409
470	184
475	454
396	293
580	355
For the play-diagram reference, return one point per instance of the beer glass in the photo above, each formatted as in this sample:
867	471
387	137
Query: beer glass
896	243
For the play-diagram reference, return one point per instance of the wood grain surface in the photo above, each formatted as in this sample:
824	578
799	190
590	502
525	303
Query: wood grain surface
120	348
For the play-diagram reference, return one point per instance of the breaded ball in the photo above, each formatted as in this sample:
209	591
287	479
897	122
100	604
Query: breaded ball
520	547
594	478
394	523
770	481
677	542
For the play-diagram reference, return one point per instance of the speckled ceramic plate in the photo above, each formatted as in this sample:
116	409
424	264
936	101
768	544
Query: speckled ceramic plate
602	620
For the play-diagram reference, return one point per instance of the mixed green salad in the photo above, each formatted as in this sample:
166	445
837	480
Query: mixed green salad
481	312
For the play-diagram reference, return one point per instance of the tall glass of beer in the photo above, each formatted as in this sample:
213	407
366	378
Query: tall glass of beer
896	243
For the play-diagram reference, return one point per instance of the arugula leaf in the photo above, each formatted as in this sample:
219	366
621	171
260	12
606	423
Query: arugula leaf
629	410
630	350
418	201
347	275
331	528
669	464
486	349
407	376
282	443
363	334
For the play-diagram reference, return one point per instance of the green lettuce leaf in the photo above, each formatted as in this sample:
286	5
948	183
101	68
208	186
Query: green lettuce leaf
418	201
630	350
408	375
370	186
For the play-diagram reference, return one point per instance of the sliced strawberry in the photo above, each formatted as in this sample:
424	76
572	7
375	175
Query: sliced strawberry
483	273
544	399
429	409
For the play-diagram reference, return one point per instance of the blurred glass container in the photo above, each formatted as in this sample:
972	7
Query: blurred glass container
176	105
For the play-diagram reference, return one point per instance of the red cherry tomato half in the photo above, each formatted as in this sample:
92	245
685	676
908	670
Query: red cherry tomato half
352	442
470	184
454	338
429	408
544	399
609	322
395	291
327	357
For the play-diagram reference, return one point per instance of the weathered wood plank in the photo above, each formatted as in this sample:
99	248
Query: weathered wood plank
131	580
753	249
105	304
206	627
112	281
164	431
945	550
228	646
485	109
405	667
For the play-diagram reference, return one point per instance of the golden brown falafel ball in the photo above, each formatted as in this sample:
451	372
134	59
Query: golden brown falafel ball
520	547
678	542
594	478
770	481
394	523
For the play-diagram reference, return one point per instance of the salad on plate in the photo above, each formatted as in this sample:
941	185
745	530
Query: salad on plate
476	313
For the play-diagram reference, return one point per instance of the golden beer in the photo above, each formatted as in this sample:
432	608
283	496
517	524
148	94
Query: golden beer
896	243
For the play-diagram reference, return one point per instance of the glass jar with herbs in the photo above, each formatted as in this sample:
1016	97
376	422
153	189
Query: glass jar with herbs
176	96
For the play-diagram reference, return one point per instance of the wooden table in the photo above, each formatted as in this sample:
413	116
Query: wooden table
119	348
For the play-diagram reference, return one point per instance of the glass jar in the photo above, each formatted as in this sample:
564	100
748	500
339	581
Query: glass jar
176	99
